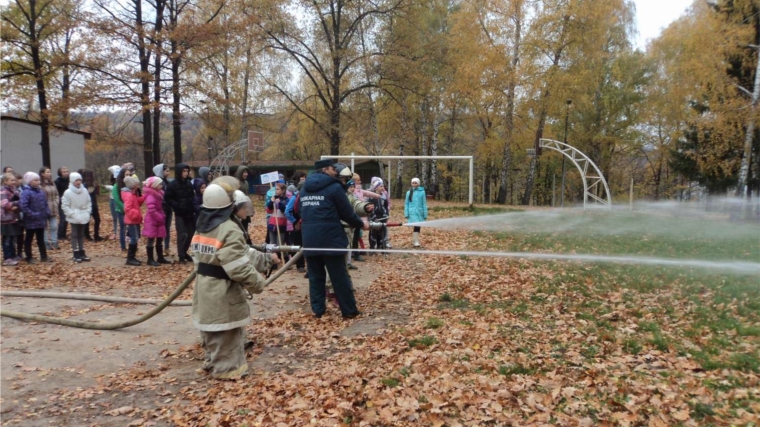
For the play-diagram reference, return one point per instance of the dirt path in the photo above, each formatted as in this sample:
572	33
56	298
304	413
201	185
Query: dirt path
44	366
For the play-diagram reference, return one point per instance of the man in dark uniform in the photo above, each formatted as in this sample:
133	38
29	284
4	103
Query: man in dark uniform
323	204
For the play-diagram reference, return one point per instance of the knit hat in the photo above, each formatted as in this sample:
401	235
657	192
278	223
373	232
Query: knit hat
292	188
115	169
30	176
417	180
374	185
319	164
131	182
73	176
351	183
152	182
375	179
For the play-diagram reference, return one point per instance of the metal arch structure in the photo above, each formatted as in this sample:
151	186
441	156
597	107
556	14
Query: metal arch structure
591	179
221	163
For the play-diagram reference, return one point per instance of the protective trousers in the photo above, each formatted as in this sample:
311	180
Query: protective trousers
336	268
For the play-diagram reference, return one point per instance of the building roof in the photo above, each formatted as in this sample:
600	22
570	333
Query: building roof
87	135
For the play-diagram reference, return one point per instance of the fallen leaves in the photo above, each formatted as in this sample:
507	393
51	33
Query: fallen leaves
514	342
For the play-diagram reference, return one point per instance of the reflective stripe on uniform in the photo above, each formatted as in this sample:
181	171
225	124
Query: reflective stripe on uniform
217	327
243	260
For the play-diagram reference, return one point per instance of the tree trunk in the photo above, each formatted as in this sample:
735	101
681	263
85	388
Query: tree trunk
176	100
157	35
401	145
144	56
42	98
749	136
176	60
66	79
246	84
434	150
424	140
534	160
509	119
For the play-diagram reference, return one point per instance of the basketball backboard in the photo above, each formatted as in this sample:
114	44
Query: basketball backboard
255	141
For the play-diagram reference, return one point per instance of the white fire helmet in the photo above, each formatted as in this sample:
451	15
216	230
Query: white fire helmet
243	202
216	197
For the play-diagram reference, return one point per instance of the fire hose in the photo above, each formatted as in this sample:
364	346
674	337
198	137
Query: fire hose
165	303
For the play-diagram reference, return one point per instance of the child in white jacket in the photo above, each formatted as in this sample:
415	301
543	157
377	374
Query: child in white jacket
77	207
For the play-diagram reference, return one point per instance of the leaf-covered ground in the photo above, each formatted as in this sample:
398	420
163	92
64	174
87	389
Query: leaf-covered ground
493	341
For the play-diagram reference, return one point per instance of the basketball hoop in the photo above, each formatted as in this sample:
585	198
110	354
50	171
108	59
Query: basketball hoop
255	141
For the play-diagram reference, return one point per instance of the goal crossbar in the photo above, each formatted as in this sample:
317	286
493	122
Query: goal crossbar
354	157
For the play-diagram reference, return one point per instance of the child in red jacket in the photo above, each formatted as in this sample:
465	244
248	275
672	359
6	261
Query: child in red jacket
130	194
277	226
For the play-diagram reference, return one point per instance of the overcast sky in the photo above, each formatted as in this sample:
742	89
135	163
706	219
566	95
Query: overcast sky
654	15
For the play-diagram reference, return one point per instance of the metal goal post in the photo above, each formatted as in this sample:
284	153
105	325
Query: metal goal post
390	169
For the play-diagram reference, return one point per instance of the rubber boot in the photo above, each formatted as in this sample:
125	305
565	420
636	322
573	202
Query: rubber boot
160	254
132	249
151	261
416	239
77	258
83	256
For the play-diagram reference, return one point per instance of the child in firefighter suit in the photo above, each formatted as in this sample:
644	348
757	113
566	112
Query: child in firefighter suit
226	274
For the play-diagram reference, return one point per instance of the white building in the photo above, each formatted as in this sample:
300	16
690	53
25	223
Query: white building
20	146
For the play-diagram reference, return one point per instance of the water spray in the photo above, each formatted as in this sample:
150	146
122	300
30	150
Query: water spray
738	267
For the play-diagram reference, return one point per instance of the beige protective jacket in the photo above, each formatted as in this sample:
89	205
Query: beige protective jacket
220	304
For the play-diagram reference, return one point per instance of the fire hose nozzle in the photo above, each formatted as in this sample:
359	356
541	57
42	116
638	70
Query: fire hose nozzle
276	248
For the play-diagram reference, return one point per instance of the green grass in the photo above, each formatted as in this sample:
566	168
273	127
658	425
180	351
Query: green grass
422	342
632	346
390	382
659	342
509	370
434	323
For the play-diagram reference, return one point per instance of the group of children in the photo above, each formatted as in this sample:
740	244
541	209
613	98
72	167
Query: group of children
29	206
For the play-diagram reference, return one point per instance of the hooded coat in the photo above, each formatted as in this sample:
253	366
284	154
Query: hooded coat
35	208
77	204
132	203
203	172
197	196
179	193
9	198
158	171
415	210
154	213
322	205
239	176
62	184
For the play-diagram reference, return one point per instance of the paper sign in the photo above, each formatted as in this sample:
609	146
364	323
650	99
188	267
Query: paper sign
266	178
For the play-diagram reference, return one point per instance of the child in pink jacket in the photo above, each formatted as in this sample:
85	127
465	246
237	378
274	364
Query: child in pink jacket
155	220
132	199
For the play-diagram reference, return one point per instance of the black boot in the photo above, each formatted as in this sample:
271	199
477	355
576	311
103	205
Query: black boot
83	256
77	258
160	254
151	261
131	251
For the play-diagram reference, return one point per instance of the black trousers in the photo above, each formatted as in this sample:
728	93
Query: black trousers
30	234
341	281
96	216
62	224
185	226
